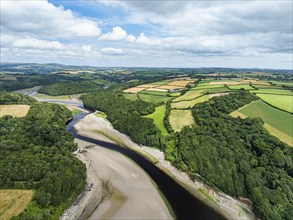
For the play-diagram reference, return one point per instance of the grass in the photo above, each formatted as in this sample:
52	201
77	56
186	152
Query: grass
14	110
180	118
13	202
206	86
218	90
191	103
130	96
158	117
284	102
190	95
154	93
44	96
276	118
237	87
274	91
100	114
153	98
287	83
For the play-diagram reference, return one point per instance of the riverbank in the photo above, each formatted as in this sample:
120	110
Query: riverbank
228	206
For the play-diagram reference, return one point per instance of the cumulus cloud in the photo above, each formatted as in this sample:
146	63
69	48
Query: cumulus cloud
43	18
112	51
117	34
38	44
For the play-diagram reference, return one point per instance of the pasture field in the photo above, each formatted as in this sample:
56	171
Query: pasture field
218	90
134	90
174	94
280	120
14	110
158	117
287	83
274	91
206	86
180	118
130	96
284	102
153	98
156	89
159	83
13	202
170	87
189	95
154	93
191	103
245	86
266	86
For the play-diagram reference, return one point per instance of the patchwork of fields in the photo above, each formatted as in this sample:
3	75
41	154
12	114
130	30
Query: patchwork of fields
13	202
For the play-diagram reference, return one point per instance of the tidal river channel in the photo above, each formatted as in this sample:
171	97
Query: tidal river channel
184	205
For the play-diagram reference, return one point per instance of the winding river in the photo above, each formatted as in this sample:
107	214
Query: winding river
183	203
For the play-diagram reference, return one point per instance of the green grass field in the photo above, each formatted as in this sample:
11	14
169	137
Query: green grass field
237	87
130	96
189	95
287	83
154	93
218	90
153	98
180	118
278	119
191	103
284	102
158	117
274	91
266	86
206	86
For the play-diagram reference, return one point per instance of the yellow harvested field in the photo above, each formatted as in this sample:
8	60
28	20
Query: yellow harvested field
14	110
219	94
169	87
157	90
181	83
147	86
13	202
134	90
189	104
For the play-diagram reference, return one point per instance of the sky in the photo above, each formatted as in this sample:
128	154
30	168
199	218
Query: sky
149	33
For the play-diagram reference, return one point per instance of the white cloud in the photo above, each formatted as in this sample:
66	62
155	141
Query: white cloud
38	44
112	51
143	39
43	18
130	38
117	34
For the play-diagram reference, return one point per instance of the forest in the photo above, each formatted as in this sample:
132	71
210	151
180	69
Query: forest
36	152
69	87
237	156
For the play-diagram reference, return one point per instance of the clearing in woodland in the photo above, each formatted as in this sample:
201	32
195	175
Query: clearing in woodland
14	110
180	118
13	202
158	117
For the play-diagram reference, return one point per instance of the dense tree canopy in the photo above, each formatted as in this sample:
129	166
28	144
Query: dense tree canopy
36	153
14	98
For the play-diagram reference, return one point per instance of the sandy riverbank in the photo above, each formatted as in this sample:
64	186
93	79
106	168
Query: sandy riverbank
232	208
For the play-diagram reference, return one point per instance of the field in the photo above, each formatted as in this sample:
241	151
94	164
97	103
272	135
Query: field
189	95
13	202
156	89
154	93
134	89
284	102
159	83
206	86
274	91
146	86
180	118
131	96
278	119
191	103
14	110
170	87
181	83
153	98
158	117
289	83
246	87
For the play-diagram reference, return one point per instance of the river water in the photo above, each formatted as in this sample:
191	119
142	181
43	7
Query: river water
183	203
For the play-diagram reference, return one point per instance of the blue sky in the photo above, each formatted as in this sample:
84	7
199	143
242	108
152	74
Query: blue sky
149	33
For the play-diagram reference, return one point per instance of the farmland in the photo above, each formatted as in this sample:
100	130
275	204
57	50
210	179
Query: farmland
245	86
278	119
158	117
180	118
189	104
14	110
189	95
274	91
13	202
130	96
153	98
284	102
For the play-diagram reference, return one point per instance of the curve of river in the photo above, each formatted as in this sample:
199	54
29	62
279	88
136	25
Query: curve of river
184	205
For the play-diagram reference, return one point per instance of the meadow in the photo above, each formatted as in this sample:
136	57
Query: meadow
244	86
158	117
189	95
130	96
180	118
278	119
284	102
274	91
153	98
14	110
13	202
189	104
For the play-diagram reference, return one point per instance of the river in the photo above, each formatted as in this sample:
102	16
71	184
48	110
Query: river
183	203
